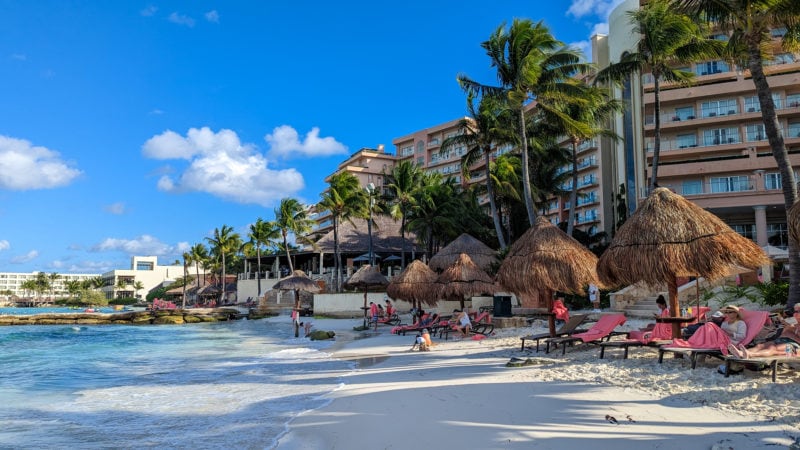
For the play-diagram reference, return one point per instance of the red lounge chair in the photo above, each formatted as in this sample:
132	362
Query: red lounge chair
603	329
711	342
569	327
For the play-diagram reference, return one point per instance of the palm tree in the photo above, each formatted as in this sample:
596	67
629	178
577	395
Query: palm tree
667	39
73	287
187	259
224	242
344	199
291	217
750	22
52	278
122	283
261	233
487	126
138	285
581	119
402	183
531	65
505	172
198	255
435	213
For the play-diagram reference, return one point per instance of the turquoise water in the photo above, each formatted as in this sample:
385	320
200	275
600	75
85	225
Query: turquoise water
214	385
49	310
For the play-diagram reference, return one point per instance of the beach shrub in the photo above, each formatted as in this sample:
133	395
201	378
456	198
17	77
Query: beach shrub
773	293
123	301
91	297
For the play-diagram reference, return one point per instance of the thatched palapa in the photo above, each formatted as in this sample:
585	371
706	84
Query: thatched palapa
297	281
365	278
668	237
481	254
546	258
416	284
464	279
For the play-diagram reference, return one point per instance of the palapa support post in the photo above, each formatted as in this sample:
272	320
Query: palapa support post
674	307
551	317
297	312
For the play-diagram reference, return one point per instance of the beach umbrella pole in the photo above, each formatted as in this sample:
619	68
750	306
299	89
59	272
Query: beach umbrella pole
297	311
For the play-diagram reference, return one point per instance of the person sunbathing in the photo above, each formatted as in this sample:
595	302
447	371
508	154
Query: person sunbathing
790	337
462	322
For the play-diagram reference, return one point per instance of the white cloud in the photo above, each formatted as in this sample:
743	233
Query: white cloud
27	257
84	266
4	245
149	11
24	166
143	245
585	47
156	112
19	56
222	166
600	8
212	16
285	142
117	208
181	19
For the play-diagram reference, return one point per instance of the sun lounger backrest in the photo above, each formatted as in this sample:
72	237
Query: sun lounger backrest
573	323
755	321
602	328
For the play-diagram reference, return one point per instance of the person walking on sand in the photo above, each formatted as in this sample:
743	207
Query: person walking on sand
594	297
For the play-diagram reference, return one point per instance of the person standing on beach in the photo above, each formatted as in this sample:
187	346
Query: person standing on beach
594	297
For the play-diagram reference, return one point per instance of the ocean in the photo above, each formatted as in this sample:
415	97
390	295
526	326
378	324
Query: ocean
210	385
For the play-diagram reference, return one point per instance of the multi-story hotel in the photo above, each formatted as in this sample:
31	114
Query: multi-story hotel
714	150
11	283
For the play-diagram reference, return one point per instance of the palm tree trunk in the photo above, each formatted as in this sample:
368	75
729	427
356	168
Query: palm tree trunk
337	264
781	155
197	271
258	268
402	239
573	196
185	277
288	256
526	177
222	291
657	134
498	227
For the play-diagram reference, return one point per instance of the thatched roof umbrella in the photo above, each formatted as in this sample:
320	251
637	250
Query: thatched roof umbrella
366	277
481	254
545	260
297	281
464	279
416	284
669	237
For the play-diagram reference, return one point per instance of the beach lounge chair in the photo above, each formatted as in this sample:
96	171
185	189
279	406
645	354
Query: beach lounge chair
394	319
603	329
660	334
771	362
755	321
480	324
569	327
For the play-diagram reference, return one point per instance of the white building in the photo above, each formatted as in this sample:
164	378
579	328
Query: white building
11	283
121	283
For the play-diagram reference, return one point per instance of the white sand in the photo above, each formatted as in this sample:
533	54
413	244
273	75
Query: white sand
461	395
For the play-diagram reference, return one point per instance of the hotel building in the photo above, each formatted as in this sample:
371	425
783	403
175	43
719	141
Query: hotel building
714	150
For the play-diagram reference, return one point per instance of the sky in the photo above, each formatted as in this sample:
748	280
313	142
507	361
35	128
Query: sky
137	128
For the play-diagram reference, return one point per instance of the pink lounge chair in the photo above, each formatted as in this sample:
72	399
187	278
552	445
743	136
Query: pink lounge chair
711	340
603	329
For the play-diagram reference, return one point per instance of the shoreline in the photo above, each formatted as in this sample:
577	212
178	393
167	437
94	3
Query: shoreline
461	393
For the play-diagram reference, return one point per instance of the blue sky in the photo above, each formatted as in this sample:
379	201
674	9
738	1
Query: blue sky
131	128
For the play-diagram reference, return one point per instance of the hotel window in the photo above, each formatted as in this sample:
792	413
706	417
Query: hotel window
746	230
782	58
687	140
793	100
420	147
772	181
737	183
692	187
685	113
718	108
751	104
421	161
712	67
721	136
777	235
755	132
794	130
407	150
778	32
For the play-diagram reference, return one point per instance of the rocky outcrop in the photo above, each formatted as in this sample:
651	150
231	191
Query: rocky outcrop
319	335
175	316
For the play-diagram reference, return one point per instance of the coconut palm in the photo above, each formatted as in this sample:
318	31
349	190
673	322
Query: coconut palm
505	172
261	233
344	199
435	213
667	39
73	287
488	125
122	283
198	255
52	278
224	242
580	119
138	285
750	22
291	217
402	183
531	66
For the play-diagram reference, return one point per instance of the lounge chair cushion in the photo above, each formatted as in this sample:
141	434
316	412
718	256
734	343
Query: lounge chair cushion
602	328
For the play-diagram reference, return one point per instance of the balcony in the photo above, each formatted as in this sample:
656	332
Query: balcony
433	143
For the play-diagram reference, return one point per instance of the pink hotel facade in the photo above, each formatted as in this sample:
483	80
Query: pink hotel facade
713	148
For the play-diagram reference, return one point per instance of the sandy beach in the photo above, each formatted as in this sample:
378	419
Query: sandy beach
462	395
